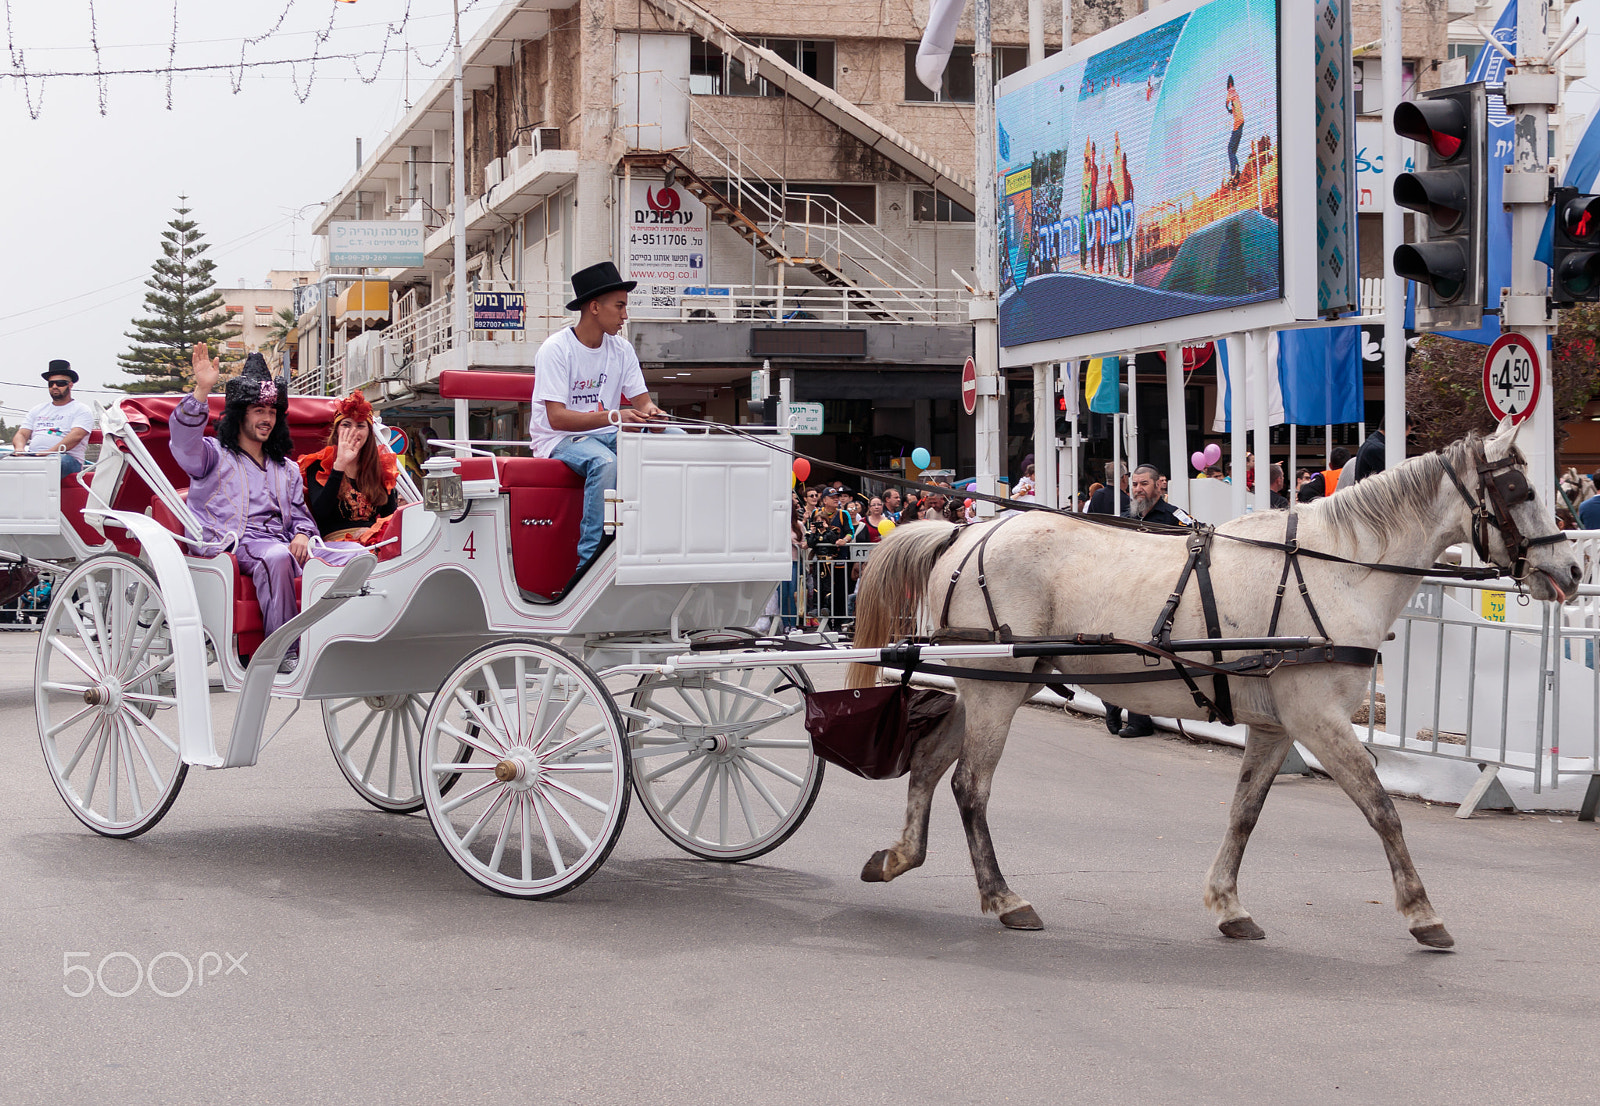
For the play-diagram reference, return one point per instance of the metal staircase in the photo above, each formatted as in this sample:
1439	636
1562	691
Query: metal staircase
881	138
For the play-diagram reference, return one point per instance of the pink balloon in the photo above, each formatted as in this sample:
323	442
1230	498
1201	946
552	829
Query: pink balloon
1198	459
1213	453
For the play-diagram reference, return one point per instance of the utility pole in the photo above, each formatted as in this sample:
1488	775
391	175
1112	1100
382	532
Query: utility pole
463	309
1531	89
1394	234
984	310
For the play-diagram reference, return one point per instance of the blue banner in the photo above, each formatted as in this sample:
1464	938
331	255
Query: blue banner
1319	372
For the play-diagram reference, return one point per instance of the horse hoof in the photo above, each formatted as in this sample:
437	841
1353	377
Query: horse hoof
1243	929
872	871
1434	936
1023	917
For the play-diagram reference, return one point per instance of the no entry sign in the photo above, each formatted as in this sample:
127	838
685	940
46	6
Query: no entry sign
1511	377
969	386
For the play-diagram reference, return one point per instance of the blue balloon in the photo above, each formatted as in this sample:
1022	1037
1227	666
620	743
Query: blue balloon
921	458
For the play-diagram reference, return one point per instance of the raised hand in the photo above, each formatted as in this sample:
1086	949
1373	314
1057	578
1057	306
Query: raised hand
347	448
206	371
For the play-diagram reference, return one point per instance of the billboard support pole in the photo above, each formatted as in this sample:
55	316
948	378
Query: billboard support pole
1177	430
1066	24
984	309
1044	433
1261	401
1394	286
1035	31
1530	88
1236	422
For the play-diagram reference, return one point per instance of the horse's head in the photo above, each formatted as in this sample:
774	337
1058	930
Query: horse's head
1512	526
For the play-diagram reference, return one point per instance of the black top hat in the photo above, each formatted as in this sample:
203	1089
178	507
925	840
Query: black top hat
597	280
59	367
254	387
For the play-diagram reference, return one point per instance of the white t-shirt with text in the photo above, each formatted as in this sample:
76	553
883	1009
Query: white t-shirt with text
584	379
51	423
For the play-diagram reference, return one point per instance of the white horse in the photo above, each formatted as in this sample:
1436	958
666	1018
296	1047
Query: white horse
1057	576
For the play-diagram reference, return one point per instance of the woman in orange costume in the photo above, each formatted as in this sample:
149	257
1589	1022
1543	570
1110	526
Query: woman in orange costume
350	482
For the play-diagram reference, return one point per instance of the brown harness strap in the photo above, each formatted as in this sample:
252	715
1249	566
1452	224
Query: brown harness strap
997	632
1291	559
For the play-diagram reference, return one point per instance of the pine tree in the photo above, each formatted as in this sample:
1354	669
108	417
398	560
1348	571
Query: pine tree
184	308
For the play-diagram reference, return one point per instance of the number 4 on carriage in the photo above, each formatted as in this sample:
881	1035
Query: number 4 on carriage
1511	377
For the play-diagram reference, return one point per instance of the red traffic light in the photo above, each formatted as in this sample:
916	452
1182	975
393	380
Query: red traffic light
1441	124
1580	218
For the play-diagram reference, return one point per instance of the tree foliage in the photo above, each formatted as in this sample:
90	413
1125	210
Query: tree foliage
184	308
1444	386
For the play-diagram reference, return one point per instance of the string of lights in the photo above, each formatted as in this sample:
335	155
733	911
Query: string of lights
303	68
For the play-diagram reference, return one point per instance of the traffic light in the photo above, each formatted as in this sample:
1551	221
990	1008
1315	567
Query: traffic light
1575	248
1063	424
1449	258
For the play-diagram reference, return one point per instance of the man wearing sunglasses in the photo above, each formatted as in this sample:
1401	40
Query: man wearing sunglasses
60	425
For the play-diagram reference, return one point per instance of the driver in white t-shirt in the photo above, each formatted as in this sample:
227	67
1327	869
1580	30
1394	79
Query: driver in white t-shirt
60	425
581	375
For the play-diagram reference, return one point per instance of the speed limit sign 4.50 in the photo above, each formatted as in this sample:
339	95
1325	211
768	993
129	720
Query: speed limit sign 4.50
1511	377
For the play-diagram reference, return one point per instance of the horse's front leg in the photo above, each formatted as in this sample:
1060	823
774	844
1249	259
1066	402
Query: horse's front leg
1351	768
929	761
988	720
1264	751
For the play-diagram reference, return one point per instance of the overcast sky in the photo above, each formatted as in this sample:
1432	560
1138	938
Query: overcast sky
87	195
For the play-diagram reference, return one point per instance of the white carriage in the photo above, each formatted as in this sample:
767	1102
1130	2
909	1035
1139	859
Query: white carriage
447	678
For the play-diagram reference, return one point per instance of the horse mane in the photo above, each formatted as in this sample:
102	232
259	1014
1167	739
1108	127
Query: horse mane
1397	493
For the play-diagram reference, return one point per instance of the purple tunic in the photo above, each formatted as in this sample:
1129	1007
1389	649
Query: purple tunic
255	510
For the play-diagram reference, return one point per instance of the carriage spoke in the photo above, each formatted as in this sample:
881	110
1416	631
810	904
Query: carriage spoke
674	766
662	750
667	712
551	845
377	746
63	724
722	803
561	812
589	801
150	635
412	730
102	641
761	788
394	749
519	668
125	639
131	768
499	854
65	650
512	733
744	801
483	819
66	689
483	722
140	697
144	753
461	800
83	746
781	773
153	728
542	733
775	743
344	750
85	635
705	799
149	673
469	739
475	766
581	736
527	838
113	746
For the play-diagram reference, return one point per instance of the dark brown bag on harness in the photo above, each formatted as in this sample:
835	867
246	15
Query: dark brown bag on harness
872	731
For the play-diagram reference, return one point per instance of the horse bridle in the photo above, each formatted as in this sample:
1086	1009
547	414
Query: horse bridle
1502	485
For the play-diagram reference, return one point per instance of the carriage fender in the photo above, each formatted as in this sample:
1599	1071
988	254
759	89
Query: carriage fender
165	558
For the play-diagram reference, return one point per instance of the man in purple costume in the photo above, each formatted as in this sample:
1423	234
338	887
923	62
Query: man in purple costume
243	488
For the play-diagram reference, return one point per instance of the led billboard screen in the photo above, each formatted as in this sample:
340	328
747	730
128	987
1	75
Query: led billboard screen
1139	181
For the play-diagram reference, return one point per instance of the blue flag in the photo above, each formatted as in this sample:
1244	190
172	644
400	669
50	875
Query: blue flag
1490	68
1320	374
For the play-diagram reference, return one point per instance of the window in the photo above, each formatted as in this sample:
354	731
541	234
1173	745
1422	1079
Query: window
928	206
713	73
817	204
957	86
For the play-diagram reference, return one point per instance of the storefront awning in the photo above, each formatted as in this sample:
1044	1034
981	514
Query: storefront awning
366	301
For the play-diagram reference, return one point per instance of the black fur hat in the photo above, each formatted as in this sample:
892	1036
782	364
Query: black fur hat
256	387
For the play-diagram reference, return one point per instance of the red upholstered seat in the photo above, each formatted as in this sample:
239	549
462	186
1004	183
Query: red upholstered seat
545	501
486	387
74	497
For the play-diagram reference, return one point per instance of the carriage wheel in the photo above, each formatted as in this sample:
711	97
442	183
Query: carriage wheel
543	798
103	673
375	740
721	760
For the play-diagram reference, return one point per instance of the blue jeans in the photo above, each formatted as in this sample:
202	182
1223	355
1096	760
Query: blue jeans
593	457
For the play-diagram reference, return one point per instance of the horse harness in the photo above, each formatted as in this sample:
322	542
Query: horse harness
1158	649
1503	486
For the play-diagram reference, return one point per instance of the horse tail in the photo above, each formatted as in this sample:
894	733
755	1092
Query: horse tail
893	588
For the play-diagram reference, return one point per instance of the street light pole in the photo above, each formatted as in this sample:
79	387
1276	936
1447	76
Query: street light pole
984	308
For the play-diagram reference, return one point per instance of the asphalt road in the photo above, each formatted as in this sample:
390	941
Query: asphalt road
354	963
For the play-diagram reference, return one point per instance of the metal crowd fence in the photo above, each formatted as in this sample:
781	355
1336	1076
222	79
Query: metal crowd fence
1478	674
26	611
820	596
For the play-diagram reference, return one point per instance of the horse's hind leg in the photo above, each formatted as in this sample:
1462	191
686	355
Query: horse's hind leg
989	712
1351	768
1264	752
932	757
